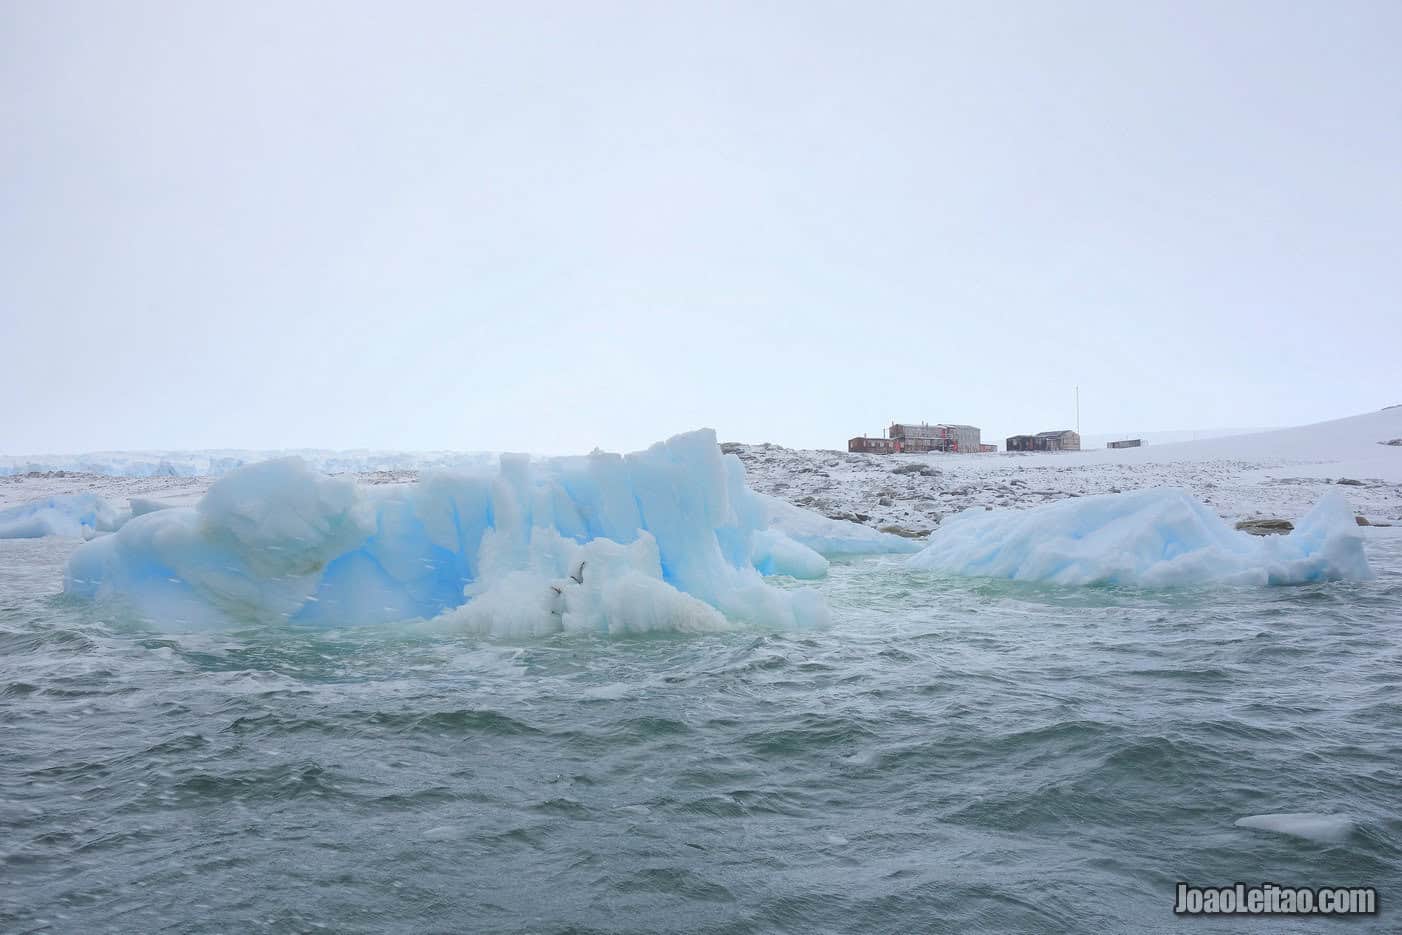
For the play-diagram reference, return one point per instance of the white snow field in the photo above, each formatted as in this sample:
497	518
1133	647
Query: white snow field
669	537
1153	538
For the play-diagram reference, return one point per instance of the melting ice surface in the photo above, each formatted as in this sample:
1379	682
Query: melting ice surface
1152	538
667	538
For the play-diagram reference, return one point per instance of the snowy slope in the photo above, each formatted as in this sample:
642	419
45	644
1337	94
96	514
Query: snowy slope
1338	448
1169	437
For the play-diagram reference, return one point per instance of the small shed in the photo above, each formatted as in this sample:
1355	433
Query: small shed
1061	440
880	446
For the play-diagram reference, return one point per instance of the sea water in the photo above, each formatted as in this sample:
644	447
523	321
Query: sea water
950	754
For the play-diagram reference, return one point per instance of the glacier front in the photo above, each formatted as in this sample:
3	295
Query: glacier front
1152	538
667	538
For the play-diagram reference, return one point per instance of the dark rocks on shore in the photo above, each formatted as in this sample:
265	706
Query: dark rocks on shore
915	467
906	533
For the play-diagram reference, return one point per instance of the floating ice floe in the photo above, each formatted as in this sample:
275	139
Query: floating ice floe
79	516
1151	538
1312	826
668	538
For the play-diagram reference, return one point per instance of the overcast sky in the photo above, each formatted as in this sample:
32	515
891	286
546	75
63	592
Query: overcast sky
551	226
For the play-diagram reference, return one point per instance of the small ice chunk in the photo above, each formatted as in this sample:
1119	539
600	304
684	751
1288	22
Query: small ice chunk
442	833
1310	825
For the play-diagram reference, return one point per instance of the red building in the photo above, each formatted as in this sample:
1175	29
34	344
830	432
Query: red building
913	439
878	446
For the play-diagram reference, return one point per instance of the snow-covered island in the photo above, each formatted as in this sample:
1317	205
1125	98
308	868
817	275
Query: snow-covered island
1277	474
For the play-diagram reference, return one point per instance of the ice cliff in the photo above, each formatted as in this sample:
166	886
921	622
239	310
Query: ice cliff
1150	538
670	537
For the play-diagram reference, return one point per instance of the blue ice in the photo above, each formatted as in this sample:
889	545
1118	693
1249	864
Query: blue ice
670	537
1152	538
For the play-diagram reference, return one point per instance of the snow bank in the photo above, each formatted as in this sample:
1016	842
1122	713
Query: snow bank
1309	825
1152	538
78	516
668	538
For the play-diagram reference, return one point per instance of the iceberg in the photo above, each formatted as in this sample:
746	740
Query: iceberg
1151	538
667	538
78	516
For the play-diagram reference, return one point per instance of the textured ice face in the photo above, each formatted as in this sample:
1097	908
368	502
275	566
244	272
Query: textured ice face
1150	538
672	538
283	519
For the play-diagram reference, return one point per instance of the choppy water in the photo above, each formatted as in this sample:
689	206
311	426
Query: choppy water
950	756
